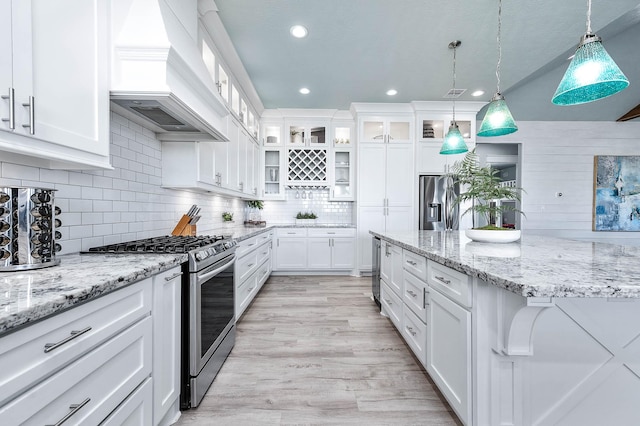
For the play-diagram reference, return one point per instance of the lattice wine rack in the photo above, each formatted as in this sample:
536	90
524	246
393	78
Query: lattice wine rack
307	166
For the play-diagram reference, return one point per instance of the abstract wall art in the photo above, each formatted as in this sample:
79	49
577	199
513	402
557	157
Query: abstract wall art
616	193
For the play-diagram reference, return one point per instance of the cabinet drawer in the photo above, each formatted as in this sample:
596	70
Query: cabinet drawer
331	232
265	236
415	264
415	296
291	232
263	252
246	246
245	266
103	379
453	284
24	350
414	332
391	305
136	410
244	294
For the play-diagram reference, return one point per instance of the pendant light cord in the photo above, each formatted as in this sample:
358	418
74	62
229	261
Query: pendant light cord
454	82
589	17
499	45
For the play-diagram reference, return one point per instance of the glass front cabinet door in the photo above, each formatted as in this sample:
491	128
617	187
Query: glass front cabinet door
307	133
385	130
343	176
273	177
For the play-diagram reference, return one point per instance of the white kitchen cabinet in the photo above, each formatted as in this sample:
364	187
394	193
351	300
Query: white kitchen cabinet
136	410
190	165
381	219
252	268
391	305
414	332
256	169
166	313
385	188
330	248
58	114
343	134
273	174
391	267
272	133
291	249
96	368
342	175
385	129
315	249
307	132
449	351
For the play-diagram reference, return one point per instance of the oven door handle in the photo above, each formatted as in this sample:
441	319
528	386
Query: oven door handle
205	277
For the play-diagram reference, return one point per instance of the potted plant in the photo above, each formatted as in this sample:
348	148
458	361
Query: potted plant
487	195
306	218
254	207
296	136
227	217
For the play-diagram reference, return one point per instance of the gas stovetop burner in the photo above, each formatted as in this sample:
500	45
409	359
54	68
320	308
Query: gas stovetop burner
164	244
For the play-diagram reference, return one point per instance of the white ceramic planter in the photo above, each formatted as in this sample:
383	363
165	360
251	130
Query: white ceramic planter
492	236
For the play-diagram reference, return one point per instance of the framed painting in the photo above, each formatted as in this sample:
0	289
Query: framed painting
616	193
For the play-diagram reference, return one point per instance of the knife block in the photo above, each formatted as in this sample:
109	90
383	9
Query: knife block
184	227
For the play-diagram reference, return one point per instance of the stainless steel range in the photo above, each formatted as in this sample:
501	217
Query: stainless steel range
208	320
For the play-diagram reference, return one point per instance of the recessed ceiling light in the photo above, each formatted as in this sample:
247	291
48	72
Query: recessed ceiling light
392	92
298	31
305	91
478	93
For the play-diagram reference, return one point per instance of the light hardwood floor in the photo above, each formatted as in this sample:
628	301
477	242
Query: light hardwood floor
315	350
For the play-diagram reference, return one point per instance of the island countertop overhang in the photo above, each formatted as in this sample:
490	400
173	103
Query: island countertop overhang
534	267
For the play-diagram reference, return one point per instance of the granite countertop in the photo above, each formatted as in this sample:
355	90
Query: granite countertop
535	266
28	296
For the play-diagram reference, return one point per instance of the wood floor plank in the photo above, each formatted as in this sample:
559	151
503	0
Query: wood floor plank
314	350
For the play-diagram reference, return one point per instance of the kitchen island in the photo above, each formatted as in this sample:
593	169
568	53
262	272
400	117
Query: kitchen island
541	331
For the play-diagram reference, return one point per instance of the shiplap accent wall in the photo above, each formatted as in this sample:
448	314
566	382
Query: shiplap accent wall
558	157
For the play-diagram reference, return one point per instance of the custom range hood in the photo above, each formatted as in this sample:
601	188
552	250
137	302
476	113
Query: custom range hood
158	77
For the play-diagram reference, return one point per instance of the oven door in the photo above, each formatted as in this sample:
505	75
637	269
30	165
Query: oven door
212	310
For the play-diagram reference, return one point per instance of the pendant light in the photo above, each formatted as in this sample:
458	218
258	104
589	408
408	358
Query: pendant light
498	120
591	75
453	141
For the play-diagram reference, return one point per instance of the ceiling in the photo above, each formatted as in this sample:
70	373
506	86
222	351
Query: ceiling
358	49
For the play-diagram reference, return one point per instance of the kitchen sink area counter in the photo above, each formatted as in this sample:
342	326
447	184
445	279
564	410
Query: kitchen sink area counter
30	296
542	331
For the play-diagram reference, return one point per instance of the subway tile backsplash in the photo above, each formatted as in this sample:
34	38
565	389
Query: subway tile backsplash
109	206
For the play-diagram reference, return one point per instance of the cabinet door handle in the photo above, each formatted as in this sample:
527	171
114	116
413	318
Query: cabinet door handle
411	262
424	298
12	108
278	242
410	330
74	334
31	105
176	275
443	280
74	409
411	293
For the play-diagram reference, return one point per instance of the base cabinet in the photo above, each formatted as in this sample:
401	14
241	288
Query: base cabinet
166	345
315	249
449	352
252	269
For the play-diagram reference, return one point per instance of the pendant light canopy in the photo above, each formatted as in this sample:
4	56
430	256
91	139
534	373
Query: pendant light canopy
591	75
453	141
498	120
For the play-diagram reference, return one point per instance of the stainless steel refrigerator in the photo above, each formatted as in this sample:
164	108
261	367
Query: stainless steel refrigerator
437	209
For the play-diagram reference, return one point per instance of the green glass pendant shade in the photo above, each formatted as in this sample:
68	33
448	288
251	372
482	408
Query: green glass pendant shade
591	75
498	120
453	141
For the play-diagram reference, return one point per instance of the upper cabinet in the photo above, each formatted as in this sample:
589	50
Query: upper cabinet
307	132
271	133
386	129
54	82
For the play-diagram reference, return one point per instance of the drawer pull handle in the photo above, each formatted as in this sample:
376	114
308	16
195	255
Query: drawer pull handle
443	280
250	265
410	330
265	252
74	334
411	293
74	409
251	245
176	275
388	302
331	233
411	262
291	233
